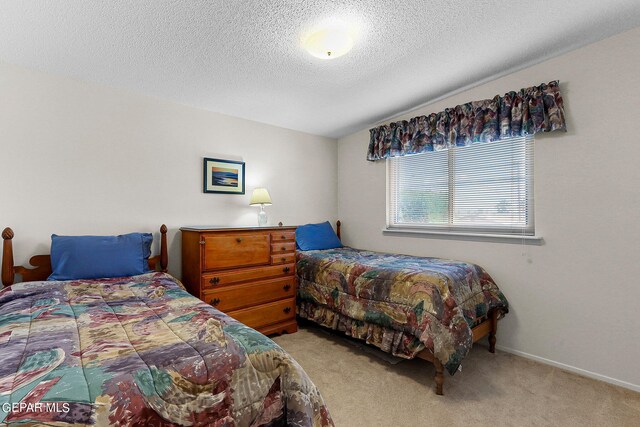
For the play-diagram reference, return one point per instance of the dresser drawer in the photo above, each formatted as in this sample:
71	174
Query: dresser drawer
235	250
283	236
277	248
267	314
230	298
283	258
213	280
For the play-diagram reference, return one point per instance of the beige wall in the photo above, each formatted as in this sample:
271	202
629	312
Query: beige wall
574	300
78	158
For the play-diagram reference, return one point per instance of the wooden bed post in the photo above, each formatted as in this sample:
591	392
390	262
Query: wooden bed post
338	224
439	378
492	332
164	254
7	257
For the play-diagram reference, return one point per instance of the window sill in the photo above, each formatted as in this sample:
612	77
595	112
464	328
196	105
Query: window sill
481	237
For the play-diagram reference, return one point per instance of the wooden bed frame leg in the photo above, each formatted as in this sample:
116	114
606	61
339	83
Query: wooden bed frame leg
492	333
439	377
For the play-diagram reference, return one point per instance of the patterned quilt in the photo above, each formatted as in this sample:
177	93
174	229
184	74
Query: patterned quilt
141	351
399	303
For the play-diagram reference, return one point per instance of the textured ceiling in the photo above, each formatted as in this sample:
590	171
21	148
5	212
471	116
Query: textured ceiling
244	58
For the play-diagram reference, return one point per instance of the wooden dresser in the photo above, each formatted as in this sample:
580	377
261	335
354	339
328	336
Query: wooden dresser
249	273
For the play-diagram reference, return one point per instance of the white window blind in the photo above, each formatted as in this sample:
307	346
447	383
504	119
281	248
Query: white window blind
481	188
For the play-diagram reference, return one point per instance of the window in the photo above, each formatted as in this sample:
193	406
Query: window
481	188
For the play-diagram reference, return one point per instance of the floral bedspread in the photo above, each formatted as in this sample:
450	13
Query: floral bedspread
141	351
399	303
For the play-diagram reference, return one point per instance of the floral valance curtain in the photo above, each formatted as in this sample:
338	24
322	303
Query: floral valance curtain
525	112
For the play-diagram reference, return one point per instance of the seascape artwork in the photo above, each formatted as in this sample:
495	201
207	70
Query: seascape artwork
225	177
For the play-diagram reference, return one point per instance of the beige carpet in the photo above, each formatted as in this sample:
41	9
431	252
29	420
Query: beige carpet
362	390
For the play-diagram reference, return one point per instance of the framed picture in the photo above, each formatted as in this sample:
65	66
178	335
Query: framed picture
223	176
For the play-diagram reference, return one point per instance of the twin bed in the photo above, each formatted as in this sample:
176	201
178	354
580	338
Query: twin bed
430	308
140	350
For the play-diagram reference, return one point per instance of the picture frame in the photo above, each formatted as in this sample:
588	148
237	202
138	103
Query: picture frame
223	176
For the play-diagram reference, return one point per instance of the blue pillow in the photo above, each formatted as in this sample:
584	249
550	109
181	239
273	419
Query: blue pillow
94	257
311	237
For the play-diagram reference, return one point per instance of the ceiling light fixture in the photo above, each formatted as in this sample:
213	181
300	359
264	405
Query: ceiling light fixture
329	43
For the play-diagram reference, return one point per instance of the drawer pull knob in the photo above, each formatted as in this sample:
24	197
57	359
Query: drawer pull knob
283	248
286	287
284	259
283	237
215	301
286	269
239	239
214	280
286	309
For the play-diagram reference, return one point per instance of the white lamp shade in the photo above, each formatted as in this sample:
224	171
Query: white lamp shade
260	196
329	43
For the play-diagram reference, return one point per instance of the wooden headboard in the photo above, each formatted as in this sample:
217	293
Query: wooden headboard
338	224
41	264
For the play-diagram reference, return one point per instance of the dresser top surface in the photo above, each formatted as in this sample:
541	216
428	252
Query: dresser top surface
236	228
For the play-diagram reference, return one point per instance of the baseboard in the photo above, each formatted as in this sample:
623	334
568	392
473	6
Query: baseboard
582	372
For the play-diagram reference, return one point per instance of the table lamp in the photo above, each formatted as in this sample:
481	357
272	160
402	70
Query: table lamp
260	196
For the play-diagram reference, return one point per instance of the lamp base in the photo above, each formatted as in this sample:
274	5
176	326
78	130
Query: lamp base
262	217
